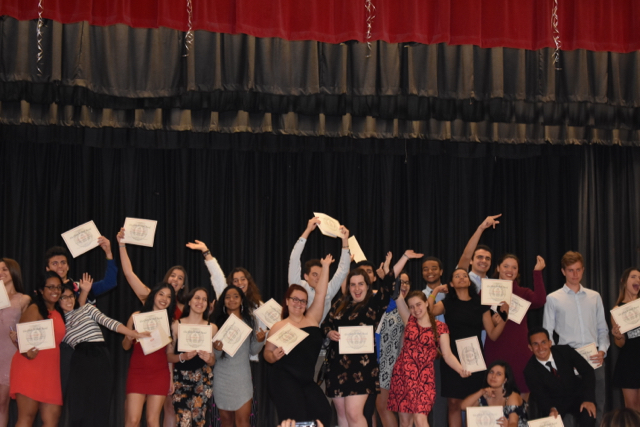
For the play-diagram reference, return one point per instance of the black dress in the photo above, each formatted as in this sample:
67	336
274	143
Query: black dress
626	374
464	319
291	385
352	374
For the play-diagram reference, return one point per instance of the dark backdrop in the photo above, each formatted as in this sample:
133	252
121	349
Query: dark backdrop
249	198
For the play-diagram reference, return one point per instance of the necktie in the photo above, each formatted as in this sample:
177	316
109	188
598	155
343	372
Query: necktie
552	369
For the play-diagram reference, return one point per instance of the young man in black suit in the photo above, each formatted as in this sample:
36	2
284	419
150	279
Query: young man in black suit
553	383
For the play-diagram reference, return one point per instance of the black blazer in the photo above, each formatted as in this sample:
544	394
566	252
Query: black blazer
565	391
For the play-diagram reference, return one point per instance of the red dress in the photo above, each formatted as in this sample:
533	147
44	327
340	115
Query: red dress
148	374
39	379
413	383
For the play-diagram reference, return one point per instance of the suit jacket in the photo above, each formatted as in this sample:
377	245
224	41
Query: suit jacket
565	391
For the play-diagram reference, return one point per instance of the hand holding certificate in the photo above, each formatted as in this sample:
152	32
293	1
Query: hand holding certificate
38	334
356	339
81	239
470	354
547	422
484	416
269	313
495	291
232	334
157	323
194	338
328	226
4	297
139	231
287	337
518	308
627	316
356	250
587	351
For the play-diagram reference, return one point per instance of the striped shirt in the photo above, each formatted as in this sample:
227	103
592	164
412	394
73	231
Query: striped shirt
82	325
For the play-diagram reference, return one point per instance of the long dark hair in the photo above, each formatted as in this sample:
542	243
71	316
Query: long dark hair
148	303
347	299
181	295
220	315
16	273
253	293
509	386
287	295
496	274
189	297
38	299
473	292
623	283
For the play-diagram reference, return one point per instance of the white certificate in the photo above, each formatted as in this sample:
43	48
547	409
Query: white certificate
232	334
356	250
139	231
494	291
627	316
356	339
4	297
587	351
269	313
38	334
470	354
518	308
156	322
484	416
287	337
547	422
328	226
81	239
194	337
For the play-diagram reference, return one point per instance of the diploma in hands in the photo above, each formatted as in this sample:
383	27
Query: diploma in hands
470	354
356	250
156	322
139	231
194	337
232	334
81	239
355	339
4	297
587	351
627	316
269	313
484	416
547	422
328	226
38	334
287	337
518	308
495	291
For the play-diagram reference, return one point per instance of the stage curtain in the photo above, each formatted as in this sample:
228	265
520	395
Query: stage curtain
604	25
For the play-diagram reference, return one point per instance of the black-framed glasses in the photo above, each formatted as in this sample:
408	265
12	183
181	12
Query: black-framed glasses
66	297
54	288
298	301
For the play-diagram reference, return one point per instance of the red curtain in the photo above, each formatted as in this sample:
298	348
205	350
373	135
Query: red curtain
601	25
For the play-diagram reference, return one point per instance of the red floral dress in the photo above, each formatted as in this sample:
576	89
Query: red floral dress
413	383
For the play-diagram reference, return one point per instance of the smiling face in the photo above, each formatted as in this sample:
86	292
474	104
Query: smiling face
358	288
508	269
162	299
60	265
540	345
632	286
67	300
481	262
573	273
460	279
417	307
52	291
405	284
431	273
232	300
198	303
240	281
176	279
5	274
297	302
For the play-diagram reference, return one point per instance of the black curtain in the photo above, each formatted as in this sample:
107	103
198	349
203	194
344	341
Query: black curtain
249	198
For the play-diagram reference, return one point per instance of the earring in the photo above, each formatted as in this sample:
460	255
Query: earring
224	309
503	389
241	309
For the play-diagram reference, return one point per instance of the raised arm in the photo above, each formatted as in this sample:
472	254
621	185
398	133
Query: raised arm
295	267
538	296
465	258
316	309
218	280
437	308
86	284
406	256
403	310
343	267
110	279
140	289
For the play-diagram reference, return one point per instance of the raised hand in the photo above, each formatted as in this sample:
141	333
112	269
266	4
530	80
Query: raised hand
540	264
120	236
198	246
86	282
409	253
326	261
490	221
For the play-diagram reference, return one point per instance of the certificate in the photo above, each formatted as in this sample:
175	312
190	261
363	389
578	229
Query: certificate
587	351
484	416
194	337
494	291
269	313
232	334
627	316
328	226
547	422
518	308
470	354
139	231
288	337
356	251
81	239
4	297
355	339
38	334
157	323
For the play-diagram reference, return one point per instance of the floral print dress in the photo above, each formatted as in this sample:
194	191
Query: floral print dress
352	374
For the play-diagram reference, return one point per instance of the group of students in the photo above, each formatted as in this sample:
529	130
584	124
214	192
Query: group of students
404	377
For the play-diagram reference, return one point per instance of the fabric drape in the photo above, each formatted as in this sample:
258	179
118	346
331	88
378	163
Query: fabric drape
601	25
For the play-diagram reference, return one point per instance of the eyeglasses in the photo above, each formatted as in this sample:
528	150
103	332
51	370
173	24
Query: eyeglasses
405	282
54	288
66	297
298	301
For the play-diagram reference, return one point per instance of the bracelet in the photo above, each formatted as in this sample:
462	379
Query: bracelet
180	358
432	296
122	246
405	255
345	247
208	252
